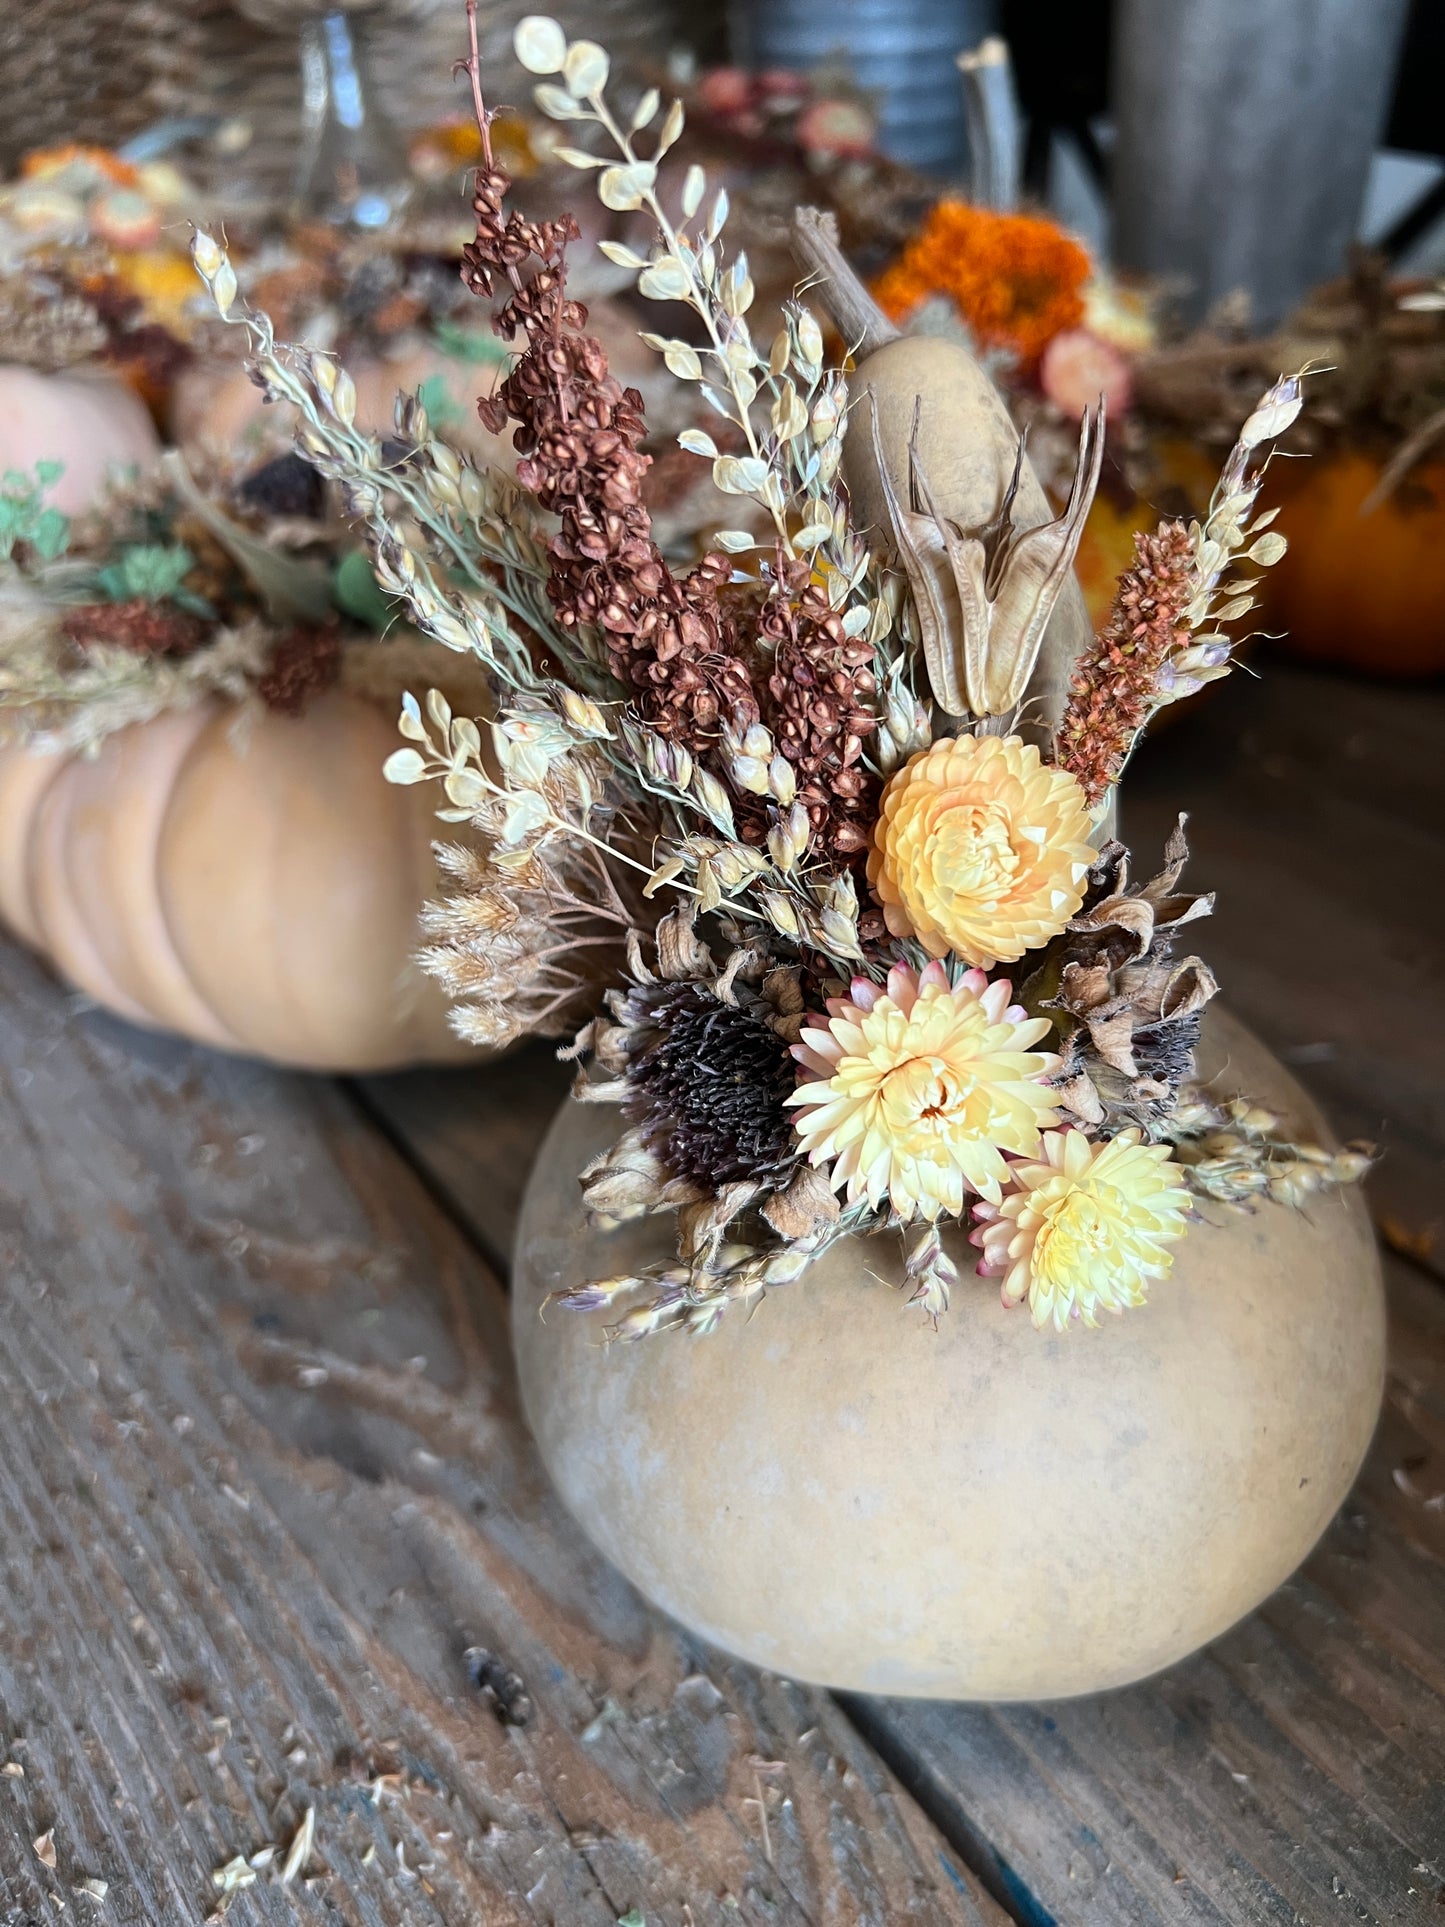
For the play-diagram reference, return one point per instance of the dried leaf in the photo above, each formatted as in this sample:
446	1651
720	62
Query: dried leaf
585	69
540	44
740	474
557	104
622	188
671	128
664	280
405	766
643	112
624	257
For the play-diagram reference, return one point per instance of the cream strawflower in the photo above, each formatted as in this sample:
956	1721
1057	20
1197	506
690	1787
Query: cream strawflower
1086	1227
917	1090
980	849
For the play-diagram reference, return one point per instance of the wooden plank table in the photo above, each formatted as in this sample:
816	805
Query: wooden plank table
265	1492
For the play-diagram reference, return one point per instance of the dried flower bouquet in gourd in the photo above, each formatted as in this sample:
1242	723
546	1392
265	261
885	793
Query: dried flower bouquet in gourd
847	788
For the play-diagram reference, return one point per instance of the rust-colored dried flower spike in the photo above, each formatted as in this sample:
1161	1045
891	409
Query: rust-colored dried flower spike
1115	686
304	662
579	433
145	628
824	694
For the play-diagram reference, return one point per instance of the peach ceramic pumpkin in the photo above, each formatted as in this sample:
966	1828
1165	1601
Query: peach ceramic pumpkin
1362	589
248	880
83	418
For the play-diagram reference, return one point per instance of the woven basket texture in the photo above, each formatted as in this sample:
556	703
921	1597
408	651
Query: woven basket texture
102	71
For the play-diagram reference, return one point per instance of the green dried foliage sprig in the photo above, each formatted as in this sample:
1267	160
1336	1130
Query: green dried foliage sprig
32	532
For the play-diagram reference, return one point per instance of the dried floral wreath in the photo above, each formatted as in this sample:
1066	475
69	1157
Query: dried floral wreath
840	759
169	590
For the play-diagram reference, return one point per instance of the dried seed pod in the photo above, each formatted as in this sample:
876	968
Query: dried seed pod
935	467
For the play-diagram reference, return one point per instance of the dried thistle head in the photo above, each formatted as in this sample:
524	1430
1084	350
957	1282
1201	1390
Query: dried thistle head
698	1053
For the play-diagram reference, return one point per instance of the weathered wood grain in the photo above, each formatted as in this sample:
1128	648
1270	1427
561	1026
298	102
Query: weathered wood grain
264	1482
474	1133
1293	1772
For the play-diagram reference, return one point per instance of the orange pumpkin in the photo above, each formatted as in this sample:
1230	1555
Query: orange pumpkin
1366	591
248	880
1183	474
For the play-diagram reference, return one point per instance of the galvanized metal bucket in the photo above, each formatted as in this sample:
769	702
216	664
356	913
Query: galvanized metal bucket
900	51
1245	132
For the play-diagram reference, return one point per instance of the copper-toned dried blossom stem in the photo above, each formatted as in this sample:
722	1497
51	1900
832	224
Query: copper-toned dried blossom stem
1164	638
580	434
824	692
472	67
1115	685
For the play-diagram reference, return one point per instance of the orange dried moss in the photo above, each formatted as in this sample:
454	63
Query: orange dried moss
1016	279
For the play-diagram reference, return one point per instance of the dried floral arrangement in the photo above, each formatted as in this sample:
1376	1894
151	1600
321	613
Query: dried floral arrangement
843	794
167	591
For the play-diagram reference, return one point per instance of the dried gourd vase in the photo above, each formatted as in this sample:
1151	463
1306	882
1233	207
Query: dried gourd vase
837	1492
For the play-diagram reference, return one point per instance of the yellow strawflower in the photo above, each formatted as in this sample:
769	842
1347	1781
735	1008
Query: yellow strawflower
918	1090
1086	1228
980	849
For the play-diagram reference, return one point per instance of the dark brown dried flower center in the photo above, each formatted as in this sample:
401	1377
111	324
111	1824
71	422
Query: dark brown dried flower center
708	1090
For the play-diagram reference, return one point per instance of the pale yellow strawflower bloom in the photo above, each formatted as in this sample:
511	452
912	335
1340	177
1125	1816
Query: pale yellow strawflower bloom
1086	1228
918	1090
980	849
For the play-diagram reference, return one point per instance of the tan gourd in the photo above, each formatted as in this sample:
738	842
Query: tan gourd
248	880
84	419
935	468
835	1491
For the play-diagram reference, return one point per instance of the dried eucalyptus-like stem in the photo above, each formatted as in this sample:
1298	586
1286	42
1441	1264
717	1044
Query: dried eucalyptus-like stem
791	467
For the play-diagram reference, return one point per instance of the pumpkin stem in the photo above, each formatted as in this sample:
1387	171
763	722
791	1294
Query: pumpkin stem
858	317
